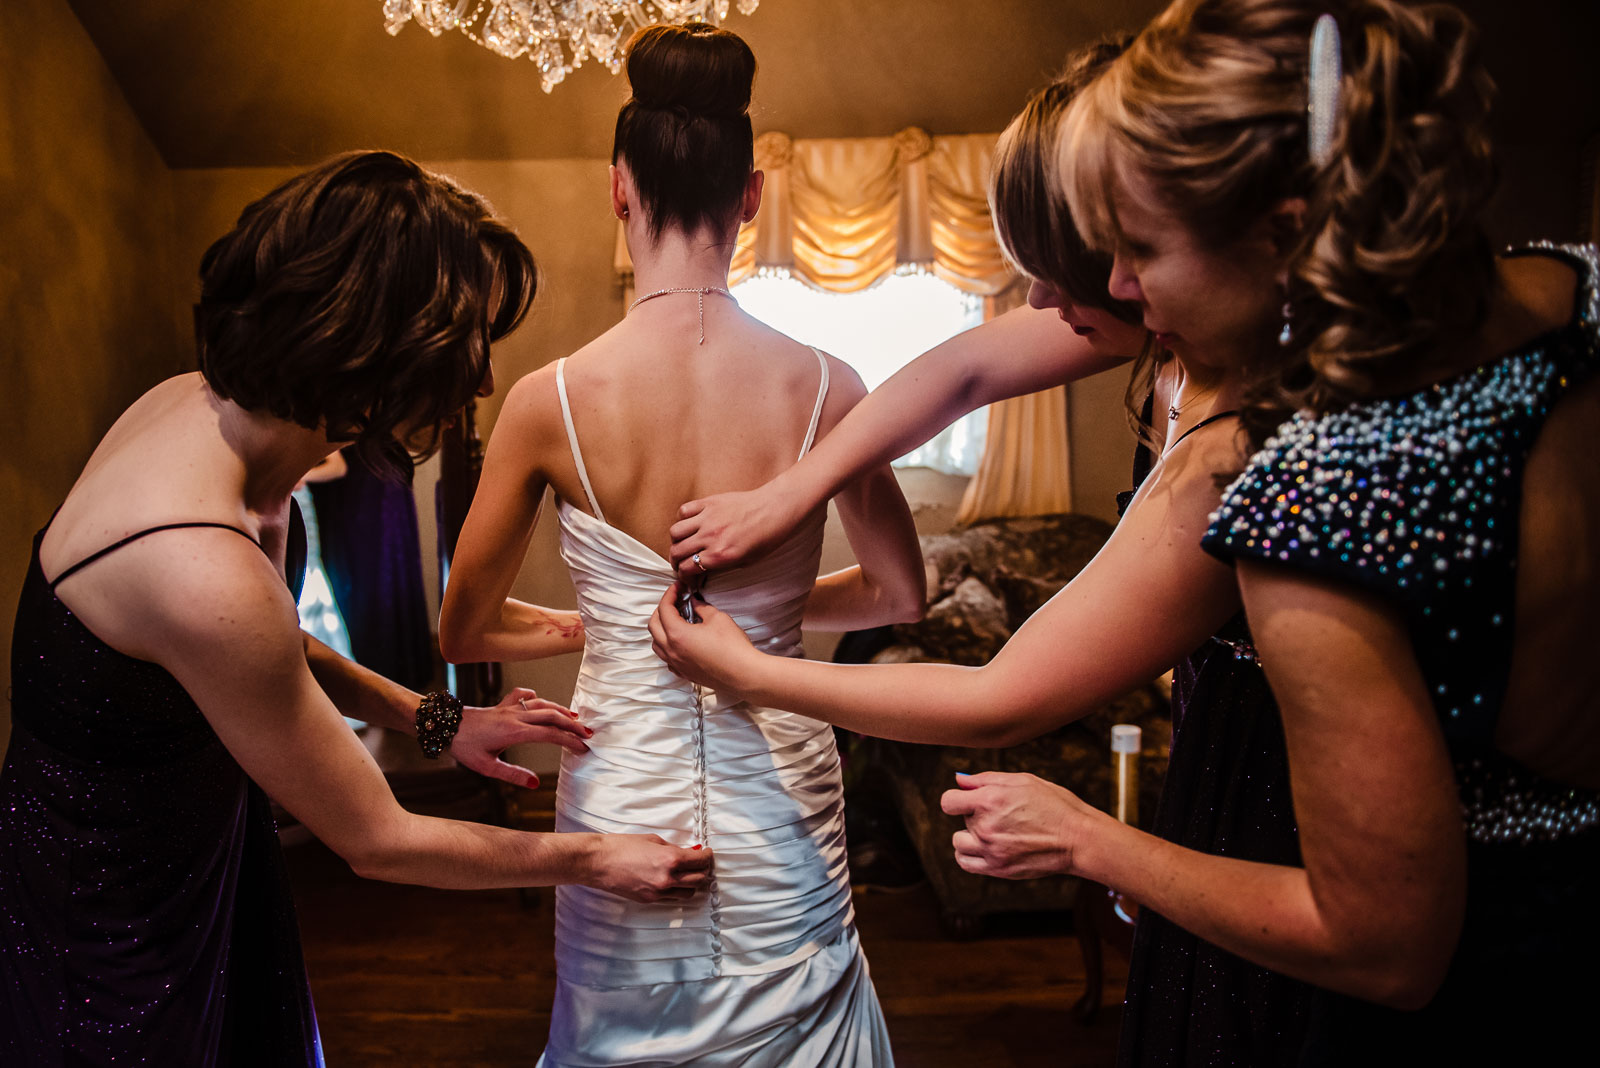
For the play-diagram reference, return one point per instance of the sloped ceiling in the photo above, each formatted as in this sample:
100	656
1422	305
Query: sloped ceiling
266	82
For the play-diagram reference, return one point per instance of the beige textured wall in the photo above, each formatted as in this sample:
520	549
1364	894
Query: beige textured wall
84	254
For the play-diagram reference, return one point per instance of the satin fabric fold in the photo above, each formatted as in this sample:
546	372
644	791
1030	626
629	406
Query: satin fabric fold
764	967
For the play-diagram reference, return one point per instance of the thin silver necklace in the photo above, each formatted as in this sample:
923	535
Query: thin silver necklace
702	290
1175	408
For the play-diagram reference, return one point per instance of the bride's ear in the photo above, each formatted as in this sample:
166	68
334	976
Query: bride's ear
621	191
752	195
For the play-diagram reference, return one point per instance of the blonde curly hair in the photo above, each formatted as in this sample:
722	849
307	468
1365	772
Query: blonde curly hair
1392	263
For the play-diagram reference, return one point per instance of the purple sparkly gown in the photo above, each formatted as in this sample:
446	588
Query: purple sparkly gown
145	914
1226	792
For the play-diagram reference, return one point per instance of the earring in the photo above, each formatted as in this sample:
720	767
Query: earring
1286	335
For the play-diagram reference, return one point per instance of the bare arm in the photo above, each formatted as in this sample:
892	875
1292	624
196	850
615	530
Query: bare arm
479	619
888	583
244	663
1023	351
485	733
1146	600
1377	907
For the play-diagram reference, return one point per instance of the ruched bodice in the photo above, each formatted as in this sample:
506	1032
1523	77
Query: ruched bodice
763	967
671	758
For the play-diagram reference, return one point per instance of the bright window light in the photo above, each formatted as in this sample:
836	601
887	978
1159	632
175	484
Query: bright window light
878	331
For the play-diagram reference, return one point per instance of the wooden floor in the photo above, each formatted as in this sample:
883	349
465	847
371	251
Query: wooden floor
406	975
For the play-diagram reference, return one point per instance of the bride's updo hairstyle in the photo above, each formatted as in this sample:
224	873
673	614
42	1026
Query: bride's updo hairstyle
685	132
1392	264
1031	221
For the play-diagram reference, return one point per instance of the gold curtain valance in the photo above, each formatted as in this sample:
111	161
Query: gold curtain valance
840	214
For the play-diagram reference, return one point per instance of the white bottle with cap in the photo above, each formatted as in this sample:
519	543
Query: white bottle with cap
1125	742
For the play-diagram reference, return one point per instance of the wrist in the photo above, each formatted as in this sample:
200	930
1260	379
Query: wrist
748	675
583	865
437	720
404	714
797	492
1097	846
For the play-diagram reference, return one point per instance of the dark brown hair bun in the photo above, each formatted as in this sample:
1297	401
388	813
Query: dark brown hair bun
698	68
685	134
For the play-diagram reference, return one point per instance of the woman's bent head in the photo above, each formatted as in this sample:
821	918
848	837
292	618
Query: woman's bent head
361	298
1377	250
1037	234
684	135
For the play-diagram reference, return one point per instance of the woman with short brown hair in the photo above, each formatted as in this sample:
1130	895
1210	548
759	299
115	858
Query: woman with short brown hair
162	688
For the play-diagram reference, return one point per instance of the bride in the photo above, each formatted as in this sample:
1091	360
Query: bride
689	396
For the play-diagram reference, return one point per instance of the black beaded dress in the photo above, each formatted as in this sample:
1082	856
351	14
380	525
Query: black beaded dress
145	913
1416	498
1226	792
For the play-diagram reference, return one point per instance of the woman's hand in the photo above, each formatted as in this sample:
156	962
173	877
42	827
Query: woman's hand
644	867
731	529
1018	826
708	652
521	716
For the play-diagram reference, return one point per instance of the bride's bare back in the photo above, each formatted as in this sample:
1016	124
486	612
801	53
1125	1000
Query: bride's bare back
661	418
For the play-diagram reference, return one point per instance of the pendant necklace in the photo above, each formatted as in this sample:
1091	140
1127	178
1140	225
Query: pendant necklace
702	290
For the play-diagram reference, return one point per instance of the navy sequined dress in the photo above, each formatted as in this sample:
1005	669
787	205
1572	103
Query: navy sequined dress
145	913
1226	792
1417	498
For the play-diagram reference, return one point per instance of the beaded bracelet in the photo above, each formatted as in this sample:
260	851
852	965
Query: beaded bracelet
438	719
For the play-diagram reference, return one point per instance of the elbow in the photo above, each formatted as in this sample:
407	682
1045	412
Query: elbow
458	642
1005	734
909	606
375	857
1400	968
1024	720
366	864
1407	985
455	648
1002	725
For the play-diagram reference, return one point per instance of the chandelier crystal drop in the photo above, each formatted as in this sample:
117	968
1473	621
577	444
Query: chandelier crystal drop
557	35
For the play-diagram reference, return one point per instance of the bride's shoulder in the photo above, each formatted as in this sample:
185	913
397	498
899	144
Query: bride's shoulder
531	406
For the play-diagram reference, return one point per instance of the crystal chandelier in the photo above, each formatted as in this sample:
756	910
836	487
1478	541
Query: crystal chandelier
558	35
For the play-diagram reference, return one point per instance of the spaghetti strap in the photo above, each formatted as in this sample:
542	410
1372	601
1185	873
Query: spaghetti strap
1208	420
572	438
114	546
822	395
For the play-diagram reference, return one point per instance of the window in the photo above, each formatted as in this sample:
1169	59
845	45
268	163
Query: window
877	332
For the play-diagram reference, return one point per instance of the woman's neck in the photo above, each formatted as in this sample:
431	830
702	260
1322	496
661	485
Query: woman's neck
678	260
274	454
1196	393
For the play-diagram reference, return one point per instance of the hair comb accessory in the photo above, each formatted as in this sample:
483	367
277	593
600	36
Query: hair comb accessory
1322	96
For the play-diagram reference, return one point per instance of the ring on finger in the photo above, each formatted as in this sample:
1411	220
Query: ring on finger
524	703
703	568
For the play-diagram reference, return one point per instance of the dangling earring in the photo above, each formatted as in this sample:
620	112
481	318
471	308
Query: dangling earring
1286	335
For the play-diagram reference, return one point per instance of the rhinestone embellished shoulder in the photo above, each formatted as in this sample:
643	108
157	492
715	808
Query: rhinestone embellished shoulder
1417	497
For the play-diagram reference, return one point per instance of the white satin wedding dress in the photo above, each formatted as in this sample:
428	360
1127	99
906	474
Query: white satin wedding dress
763	969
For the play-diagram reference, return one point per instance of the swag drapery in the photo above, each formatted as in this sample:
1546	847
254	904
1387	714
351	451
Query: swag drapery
843	214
